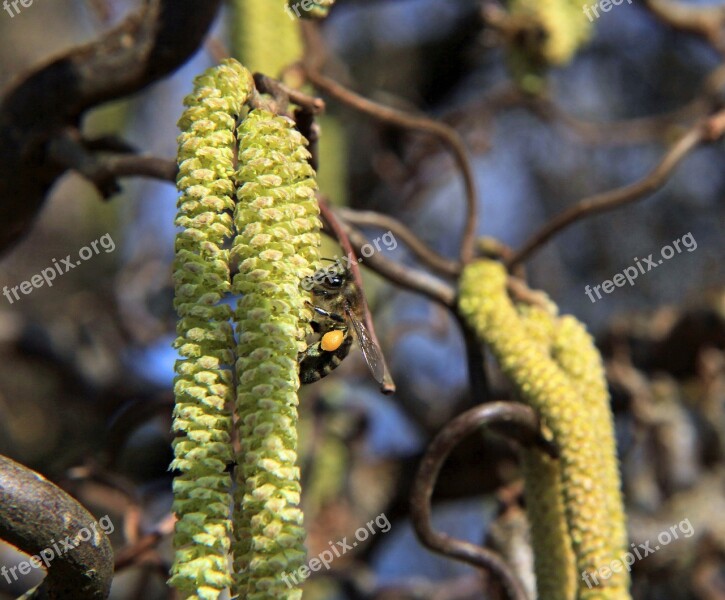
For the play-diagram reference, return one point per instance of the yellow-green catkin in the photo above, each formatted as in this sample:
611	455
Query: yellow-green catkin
564	382
555	568
556	577
265	35
276	246
203	383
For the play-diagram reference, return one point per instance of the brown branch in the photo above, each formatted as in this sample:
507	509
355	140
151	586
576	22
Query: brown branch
704	131
68	150
622	132
35	515
447	135
130	555
278	90
147	46
619	132
403	276
644	129
526	431
429	257
152	167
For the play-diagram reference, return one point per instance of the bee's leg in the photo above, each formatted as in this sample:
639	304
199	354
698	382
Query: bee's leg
329	315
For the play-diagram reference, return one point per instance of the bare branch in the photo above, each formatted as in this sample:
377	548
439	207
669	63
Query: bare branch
443	132
129	555
704	131
403	276
147	46
526	432
70	151
277	89
705	21
34	513
429	257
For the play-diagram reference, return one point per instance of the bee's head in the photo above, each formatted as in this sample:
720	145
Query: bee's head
327	281
334	281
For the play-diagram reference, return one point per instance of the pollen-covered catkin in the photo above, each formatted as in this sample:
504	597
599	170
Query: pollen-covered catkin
203	383
276	247
563	381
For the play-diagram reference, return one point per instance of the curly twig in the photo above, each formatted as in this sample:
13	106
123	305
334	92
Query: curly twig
429	257
705	21
402	275
445	133
526	432
703	131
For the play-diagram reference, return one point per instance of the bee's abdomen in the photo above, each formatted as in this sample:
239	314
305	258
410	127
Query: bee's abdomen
315	363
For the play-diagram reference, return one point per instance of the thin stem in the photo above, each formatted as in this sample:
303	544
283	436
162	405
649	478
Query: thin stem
429	257
526	432
612	199
705	21
277	89
404	276
445	133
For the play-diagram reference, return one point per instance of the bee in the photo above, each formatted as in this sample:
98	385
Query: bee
338	305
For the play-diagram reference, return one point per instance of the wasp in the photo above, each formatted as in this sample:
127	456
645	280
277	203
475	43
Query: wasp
338	304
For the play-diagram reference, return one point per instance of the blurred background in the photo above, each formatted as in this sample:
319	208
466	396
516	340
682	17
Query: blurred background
86	365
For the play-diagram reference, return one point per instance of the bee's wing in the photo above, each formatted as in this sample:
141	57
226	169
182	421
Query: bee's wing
371	352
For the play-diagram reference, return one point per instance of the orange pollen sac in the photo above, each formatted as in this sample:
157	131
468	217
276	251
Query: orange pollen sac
332	340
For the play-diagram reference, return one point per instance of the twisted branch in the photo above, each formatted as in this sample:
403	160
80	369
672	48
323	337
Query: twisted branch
525	430
49	101
428	256
34	515
702	132
446	134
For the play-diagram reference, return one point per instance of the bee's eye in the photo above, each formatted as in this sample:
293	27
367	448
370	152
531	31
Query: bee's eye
335	281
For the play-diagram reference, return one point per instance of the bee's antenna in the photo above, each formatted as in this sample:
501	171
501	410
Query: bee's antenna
328	259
